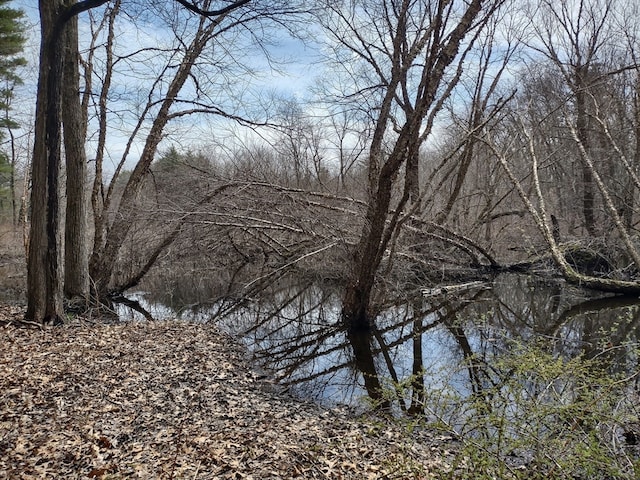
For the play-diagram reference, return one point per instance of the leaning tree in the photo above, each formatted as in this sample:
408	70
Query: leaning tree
400	60
44	286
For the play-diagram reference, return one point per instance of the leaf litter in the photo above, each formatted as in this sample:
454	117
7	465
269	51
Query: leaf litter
177	400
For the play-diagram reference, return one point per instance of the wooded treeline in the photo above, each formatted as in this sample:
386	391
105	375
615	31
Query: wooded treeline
442	140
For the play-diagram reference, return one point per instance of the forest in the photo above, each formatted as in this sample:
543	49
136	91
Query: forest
364	165
458	139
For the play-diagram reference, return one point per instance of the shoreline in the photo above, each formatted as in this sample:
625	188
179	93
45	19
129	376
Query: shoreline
174	399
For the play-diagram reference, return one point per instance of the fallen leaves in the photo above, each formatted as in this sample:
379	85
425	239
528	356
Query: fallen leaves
173	400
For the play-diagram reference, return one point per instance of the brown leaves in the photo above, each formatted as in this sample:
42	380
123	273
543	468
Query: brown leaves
171	400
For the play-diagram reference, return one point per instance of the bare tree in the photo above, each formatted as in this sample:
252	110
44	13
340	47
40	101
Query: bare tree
44	292
496	47
537	207
573	34
184	86
404	59
349	142
299	145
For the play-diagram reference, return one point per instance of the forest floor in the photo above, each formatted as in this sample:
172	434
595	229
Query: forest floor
160	400
180	400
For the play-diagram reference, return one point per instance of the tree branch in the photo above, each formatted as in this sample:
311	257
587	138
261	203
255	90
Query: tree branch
77	8
211	13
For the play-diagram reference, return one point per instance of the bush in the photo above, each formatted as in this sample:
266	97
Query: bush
535	414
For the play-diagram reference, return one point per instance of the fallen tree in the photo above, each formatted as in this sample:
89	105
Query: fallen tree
542	221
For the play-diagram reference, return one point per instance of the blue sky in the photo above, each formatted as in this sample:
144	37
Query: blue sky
291	78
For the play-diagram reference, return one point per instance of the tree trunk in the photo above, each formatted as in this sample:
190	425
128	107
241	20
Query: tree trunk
463	167
367	256
104	257
384	167
44	295
588	194
12	179
100	203
44	286
540	218
76	255
418	387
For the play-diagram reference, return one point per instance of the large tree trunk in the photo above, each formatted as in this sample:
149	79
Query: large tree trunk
76	255
356	312
44	295
44	286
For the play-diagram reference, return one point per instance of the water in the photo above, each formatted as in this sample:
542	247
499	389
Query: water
449	344
523	374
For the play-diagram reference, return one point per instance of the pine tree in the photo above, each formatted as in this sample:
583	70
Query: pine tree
12	39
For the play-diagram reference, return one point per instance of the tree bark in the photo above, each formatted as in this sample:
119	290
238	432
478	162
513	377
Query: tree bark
442	50
100	203
588	194
76	255
44	296
44	286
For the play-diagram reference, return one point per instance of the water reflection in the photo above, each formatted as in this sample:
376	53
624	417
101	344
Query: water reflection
525	370
444	343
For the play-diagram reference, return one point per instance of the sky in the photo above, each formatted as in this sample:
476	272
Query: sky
291	78
226	80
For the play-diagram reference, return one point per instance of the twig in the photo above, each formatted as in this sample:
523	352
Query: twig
293	262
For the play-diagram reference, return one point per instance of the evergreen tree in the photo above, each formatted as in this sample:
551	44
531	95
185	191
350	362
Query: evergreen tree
12	39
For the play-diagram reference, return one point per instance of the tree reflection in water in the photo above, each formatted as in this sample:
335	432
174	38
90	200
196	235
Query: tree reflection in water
443	343
526	372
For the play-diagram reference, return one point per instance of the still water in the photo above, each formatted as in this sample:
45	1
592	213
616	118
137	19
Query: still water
444	345
523	374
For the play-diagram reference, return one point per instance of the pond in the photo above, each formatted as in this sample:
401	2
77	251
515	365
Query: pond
449	343
520	371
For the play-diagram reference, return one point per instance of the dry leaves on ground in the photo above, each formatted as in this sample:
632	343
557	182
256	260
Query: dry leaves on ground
174	400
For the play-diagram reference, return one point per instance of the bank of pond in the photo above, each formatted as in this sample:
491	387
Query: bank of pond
528	369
